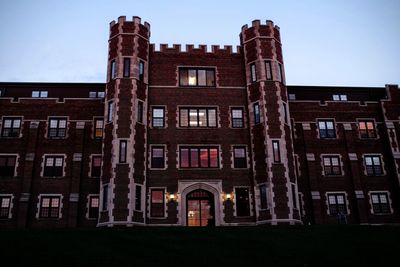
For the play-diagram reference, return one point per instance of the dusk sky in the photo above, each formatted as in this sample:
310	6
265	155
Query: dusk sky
346	43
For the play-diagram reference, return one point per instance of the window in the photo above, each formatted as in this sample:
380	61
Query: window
2	92
280	77
140	112
122	151
98	128
7	166
285	112
239	157
11	127
196	77
104	205
57	127
53	166
96	166
157	203
257	115
242	202
93	207
39	94
339	97
96	94
49	207
331	165
380	203
268	70
367	129
373	165
127	67
141	70
158	117
253	72
337	203
110	111
138	198
5	203
198	117
293	187
292	96
199	157
113	70
237	118
276	151
157	157
263	197
326	129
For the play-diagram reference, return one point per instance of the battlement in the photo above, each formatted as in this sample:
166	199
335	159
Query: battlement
257	23
190	48
135	19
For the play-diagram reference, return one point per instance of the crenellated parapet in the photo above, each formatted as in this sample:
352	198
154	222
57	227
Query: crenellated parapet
200	49
123	26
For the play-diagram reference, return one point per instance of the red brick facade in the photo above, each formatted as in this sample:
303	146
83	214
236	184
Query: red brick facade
197	137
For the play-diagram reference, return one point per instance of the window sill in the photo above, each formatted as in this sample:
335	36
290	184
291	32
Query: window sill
382	214
52	177
239	169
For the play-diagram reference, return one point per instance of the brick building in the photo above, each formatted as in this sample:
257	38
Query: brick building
197	138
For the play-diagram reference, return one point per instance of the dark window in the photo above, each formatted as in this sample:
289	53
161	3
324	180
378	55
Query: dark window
268	70
158	117
373	165
5	203
294	196
257	115
11	127
105	198
280	78
367	129
141	70
326	129
122	151
276	151
196	77
331	165
237	118
263	197
157	203
380	203
127	67
98	128
199	157
93	207
239	157
113	70
57	127
110	111
337	204
253	72
138	198
285	112
157	157
96	166
198	117
140	112
49	207
242	202
40	94
7	166
53	166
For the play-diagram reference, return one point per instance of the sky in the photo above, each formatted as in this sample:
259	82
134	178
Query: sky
331	42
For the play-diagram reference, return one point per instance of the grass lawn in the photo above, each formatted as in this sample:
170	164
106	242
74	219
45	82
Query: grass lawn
223	246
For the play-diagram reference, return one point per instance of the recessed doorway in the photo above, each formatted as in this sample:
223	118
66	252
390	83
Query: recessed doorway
200	208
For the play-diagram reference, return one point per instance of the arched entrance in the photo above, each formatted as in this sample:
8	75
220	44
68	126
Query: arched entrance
200	209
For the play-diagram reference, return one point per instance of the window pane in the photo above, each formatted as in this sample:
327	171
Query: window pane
202	77
183	117
46	202
329	125
376	161
94	202
49	161
202	118
184	158
194	157
17	123
242	202
383	198
375	198
157	196
263	196
240	152
53	123
5	202
43	93
212	118
62	124
35	94
210	78
213	157
368	160
55	202
268	70
59	162
158	153
204	157
332	199
237	113
193	117
183	74
97	161
192	78
158	112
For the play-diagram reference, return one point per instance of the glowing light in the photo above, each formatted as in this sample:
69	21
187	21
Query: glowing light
228	196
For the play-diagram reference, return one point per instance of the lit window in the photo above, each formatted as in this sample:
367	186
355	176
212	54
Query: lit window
253	72
367	129
339	97
157	157
263	197
326	129
53	166
199	157
373	165
93	207
198	117
337	204
7	166
98	128
276	151
257	115
239	157
96	166
110	111
11	127
49	207
5	203
141	70
39	94
268	70
196	77
113	70
127	67
57	127
380	203
331	165
138	198
292	96
96	94
122	151
158	117
237	118
157	203
242	201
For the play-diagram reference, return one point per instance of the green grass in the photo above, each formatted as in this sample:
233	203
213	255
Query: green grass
224	246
